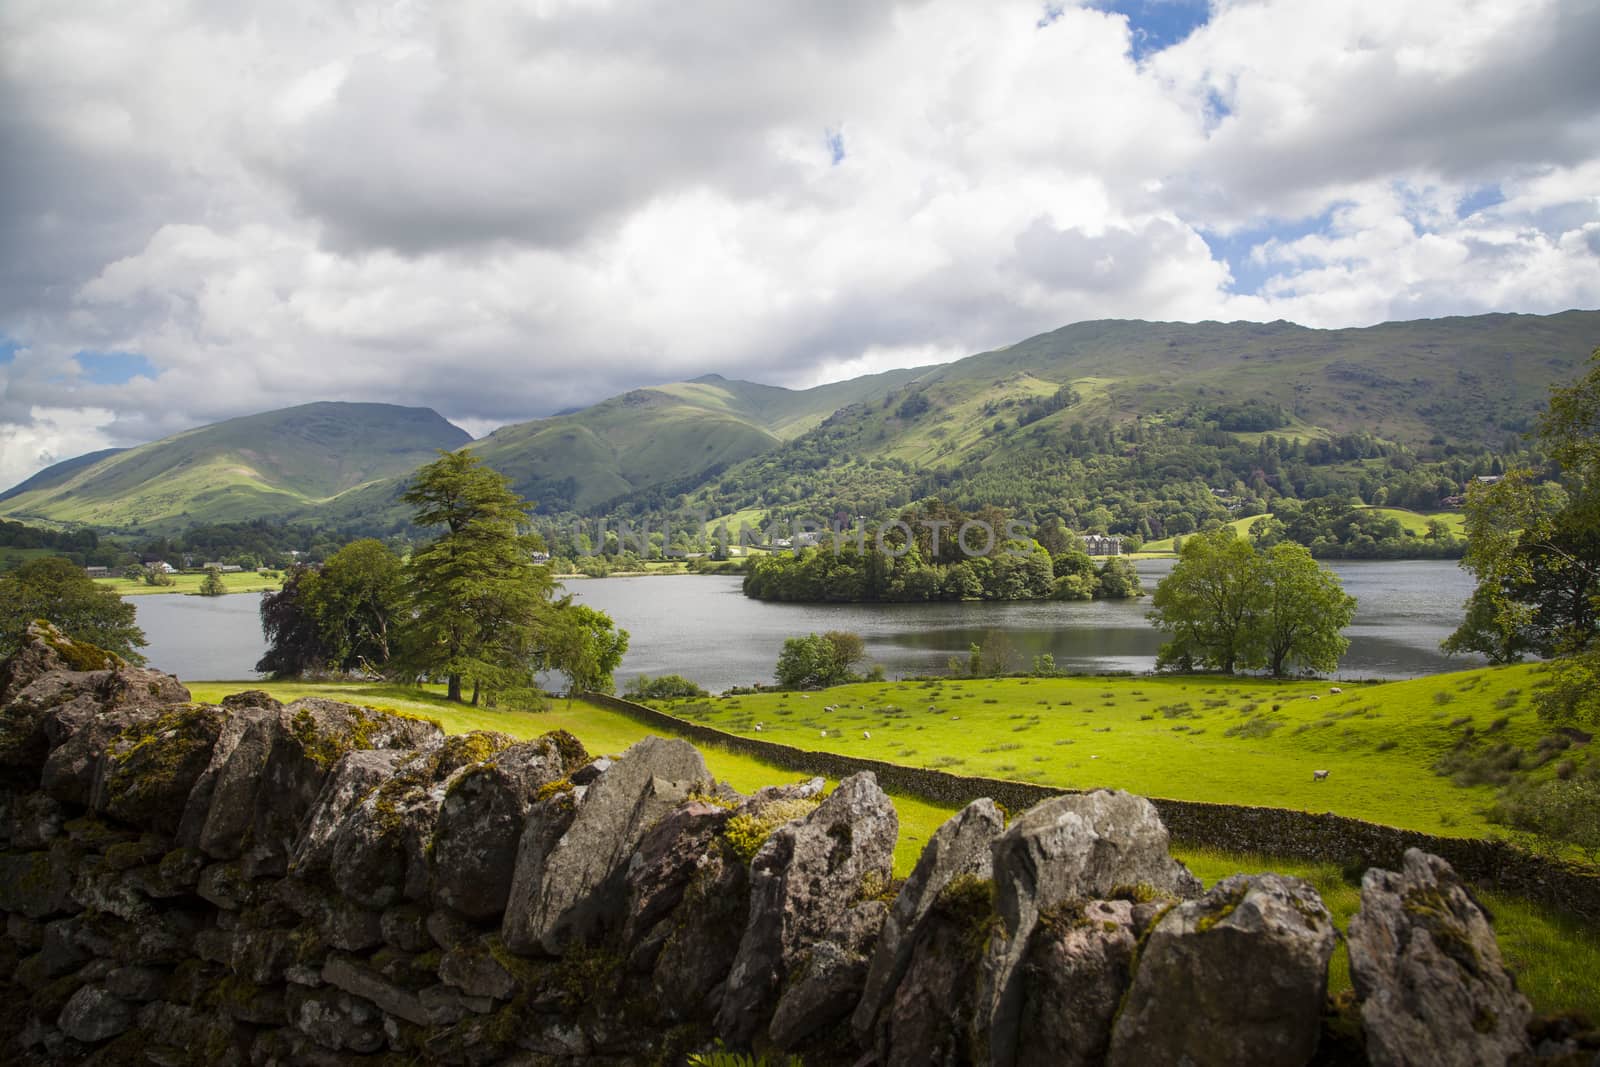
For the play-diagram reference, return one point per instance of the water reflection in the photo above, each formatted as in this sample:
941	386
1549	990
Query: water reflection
703	627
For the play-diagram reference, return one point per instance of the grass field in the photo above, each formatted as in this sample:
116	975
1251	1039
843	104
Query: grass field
1415	521
241	582
1556	956
1198	738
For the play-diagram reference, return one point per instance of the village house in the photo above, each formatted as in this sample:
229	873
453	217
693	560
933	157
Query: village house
1102	545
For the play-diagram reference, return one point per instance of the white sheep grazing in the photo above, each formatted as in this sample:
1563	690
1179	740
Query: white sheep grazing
824	733
1334	689
866	735
1318	776
758	728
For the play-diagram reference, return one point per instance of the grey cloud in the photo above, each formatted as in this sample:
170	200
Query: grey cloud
1110	262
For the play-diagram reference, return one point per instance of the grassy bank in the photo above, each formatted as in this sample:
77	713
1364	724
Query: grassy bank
1206	738
240	582
1556	956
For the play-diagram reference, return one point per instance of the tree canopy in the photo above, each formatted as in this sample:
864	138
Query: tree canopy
58	591
818	660
1229	606
480	608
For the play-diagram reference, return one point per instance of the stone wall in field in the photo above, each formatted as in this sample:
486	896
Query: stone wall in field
321	883
1322	837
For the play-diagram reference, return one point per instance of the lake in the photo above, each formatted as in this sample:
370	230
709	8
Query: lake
703	627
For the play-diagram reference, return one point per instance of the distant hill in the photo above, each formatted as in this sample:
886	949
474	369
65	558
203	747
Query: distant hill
1123	413
272	464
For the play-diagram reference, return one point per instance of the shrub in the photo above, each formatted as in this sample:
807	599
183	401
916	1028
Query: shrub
666	687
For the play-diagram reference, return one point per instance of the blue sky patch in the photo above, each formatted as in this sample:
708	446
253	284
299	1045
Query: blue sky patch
835	140
1480	198
8	349
1158	24
114	368
1234	248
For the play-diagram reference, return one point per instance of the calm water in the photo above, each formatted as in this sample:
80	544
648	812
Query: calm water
704	628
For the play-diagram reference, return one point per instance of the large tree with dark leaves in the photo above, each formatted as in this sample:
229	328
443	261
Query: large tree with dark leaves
480	610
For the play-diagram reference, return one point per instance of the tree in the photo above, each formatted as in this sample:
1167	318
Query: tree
1209	603
480	608
1304	608
58	591
358	601
212	584
818	660
289	624
1533	542
1229	607
587	647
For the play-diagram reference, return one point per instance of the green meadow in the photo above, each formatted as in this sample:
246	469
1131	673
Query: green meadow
239	582
1207	738
1556	956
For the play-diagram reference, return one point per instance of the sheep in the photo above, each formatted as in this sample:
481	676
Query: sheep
1319	776
824	733
1334	689
866	734
758	728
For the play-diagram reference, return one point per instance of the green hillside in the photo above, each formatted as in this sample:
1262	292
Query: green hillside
272	464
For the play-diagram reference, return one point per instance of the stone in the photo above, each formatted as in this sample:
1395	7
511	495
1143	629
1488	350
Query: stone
283	762
1239	975
139	984
38	885
339	922
703	939
1074	973
1077	847
45	650
405	927
152	766
801	879
569	888
1427	971
932	1014
236	723
34	821
93	1015
234	777
473	969
73	766
448	930
336	1020
379	852
960	847
354	777
831	976
481	820
667	859
360	981
446	1005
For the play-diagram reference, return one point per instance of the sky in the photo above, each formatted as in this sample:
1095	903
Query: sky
504	209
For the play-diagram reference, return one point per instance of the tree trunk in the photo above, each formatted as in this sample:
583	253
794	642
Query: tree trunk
453	688
474	692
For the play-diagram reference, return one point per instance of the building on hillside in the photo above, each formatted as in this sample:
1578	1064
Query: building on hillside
1102	545
97	572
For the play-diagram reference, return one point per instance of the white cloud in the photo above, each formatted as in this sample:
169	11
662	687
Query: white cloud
501	210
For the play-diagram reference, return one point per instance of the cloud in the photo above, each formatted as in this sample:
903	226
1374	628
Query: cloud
501	210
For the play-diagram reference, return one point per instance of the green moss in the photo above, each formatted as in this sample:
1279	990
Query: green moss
1140	893
160	749
571	750
746	833
1222	908
968	903
875	885
80	655
1432	909
550	789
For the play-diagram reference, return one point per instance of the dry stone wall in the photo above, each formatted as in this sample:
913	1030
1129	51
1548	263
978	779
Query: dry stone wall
1234	828
320	883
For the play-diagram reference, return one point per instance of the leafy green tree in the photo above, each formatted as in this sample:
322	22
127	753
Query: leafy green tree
212	584
586	646
1209	604
818	660
1534	543
358	602
1229	607
1303	610
480	608
58	591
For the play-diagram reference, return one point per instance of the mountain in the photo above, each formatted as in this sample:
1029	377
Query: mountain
1140	418
1144	416
272	464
